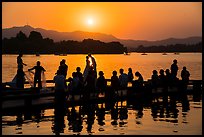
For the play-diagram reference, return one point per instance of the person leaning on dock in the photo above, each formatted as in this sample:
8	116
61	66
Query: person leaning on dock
138	84
130	75
37	76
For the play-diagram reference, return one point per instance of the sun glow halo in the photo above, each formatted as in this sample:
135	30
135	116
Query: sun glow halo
90	22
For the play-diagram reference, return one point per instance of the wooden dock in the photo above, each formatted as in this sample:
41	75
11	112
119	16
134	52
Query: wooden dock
14	100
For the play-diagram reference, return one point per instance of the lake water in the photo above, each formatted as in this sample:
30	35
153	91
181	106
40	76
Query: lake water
107	63
124	119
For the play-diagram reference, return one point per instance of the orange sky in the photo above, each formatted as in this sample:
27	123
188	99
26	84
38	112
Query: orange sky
125	20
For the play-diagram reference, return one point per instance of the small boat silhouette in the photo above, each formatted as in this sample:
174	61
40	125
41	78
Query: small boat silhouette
143	54
126	53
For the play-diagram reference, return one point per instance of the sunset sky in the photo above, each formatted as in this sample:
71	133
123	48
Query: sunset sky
124	20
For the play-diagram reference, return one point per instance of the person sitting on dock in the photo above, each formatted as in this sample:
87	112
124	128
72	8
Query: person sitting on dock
101	82
37	77
123	78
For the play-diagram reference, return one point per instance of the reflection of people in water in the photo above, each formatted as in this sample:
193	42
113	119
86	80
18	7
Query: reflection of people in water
100	113
37	78
123	114
75	120
90	117
163	110
59	123
114	114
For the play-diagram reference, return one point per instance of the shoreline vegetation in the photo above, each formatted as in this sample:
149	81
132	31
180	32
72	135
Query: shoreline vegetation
36	44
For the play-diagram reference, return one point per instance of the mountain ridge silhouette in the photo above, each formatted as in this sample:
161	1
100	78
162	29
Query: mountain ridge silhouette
81	35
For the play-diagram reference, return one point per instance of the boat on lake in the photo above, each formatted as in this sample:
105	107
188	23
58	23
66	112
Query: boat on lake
126	53
144	54
176	53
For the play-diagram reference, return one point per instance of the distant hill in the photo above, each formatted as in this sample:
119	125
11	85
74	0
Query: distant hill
81	35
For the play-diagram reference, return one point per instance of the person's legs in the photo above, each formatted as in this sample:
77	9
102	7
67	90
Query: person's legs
39	82
35	81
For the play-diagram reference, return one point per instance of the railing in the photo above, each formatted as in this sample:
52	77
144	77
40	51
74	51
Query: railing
28	94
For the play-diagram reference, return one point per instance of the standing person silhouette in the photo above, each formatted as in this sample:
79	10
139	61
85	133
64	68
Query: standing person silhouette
93	62
20	74
63	68
174	69
20	61
130	75
79	74
185	77
123	78
87	68
37	77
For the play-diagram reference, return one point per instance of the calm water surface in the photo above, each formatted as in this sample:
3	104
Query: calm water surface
107	63
129	122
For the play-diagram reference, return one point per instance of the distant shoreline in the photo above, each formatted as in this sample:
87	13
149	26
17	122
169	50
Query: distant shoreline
87	53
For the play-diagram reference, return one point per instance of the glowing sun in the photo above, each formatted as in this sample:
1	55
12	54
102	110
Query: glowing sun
90	22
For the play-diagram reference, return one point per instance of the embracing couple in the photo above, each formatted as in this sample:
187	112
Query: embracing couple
90	64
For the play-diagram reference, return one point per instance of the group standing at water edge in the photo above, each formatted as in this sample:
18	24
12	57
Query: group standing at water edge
88	81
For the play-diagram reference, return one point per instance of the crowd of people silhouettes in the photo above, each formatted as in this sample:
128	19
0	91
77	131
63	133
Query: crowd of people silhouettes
88	82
